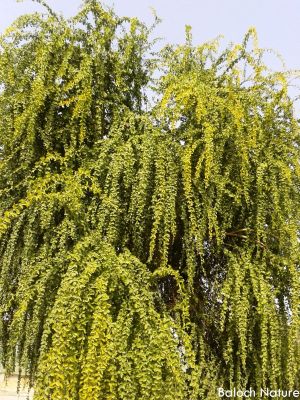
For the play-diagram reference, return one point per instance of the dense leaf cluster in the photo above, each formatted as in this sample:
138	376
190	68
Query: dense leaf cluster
145	252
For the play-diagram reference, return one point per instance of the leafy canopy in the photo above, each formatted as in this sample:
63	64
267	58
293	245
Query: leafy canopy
146	252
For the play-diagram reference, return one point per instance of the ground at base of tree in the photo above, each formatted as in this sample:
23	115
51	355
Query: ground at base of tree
8	390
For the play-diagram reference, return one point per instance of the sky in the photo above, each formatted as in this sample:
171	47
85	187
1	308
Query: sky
276	21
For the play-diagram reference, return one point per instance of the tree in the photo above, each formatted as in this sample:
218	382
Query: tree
145	254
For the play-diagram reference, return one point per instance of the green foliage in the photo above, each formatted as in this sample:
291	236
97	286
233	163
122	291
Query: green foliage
145	254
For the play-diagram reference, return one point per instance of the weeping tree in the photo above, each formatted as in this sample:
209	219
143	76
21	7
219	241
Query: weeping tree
147	252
